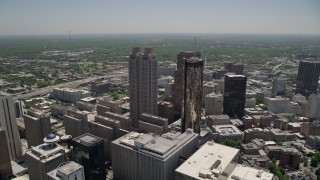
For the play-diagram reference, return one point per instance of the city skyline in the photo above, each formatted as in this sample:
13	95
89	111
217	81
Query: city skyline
36	17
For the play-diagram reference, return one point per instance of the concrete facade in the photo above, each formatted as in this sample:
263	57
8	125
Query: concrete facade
144	157
75	122
213	104
5	161
142	84
9	123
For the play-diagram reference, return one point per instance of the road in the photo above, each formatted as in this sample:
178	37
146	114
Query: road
76	83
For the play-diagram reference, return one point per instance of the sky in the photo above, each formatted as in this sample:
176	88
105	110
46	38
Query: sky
33	17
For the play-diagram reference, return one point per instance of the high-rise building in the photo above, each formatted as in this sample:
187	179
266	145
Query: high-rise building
5	162
308	77
75	122
213	104
177	86
138	156
88	151
234	96
142	84
37	125
279	86
67	171
235	67
45	158
192	94
9	123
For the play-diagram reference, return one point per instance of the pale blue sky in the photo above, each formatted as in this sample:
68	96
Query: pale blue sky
159	16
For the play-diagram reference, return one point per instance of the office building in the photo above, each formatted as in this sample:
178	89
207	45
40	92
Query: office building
311	128
234	67
313	142
209	87
277	104
218	120
279	86
308	77
5	162
67	171
246	172
37	126
142	84
9	123
106	129
153	124
213	104
88	151
191	94
211	161
166	110
45	157
178	75
138	156
234	96
314	101
70	95
75	122
226	132
256	133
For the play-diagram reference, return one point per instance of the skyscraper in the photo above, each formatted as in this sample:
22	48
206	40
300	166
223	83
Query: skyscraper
177	86
191	94
5	163
37	126
9	123
142	84
234	96
308	77
88	151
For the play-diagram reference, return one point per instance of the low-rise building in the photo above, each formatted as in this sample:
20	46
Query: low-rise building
258	133
247	172
226	132
211	161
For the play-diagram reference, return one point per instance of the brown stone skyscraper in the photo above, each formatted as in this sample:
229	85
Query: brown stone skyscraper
142	84
177	86
192	94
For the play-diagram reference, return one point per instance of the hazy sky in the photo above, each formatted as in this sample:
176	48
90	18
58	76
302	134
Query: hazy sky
159	16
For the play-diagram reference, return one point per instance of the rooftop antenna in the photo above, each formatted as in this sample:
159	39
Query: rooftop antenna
195	43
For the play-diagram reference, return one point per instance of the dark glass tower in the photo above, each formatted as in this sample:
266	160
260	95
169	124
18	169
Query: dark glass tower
191	94
234	96
308	77
88	150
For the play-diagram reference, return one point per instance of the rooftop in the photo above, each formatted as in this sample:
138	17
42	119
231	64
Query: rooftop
244	172
155	145
210	160
87	139
226	129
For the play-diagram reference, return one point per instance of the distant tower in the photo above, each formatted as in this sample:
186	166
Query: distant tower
192	94
234	96
308	77
45	157
9	123
88	151
177	86
5	162
142	84
37	126
279	86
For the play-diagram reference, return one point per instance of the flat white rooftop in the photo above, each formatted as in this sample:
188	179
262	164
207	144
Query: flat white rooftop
209	161
244	172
